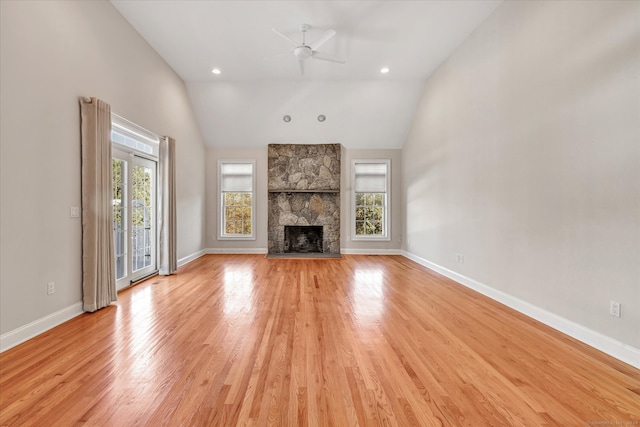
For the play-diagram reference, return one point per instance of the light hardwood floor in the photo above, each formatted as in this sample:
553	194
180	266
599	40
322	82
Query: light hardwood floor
362	340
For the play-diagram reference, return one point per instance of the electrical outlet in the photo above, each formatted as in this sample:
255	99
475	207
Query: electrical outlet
461	259
74	212
614	308
51	288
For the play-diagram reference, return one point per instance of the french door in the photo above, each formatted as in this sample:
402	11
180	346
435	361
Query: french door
134	193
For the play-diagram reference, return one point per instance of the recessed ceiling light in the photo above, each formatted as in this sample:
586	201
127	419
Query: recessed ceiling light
216	71
384	70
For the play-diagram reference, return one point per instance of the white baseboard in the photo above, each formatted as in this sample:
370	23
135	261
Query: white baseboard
220	251
608	345
237	251
192	257
37	327
350	251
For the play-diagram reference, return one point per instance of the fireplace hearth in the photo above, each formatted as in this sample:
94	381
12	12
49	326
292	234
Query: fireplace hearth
303	239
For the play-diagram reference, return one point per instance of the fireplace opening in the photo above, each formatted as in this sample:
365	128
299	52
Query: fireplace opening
303	239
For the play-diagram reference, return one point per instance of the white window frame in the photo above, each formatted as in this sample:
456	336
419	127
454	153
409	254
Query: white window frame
222	235
386	222
128	142
130	137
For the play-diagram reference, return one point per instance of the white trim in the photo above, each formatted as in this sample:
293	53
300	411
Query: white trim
220	251
386	226
236	237
137	134
192	257
608	345
349	251
237	251
23	333
137	130
221	234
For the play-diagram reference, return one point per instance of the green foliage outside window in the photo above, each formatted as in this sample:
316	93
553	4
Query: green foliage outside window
369	214
237	213
141	188
117	193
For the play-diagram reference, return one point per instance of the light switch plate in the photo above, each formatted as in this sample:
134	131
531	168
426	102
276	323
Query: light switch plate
75	212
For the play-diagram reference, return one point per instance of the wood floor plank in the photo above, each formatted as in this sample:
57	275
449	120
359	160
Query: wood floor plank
357	341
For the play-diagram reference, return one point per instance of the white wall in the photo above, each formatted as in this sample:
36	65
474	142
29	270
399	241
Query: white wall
525	158
52	52
373	113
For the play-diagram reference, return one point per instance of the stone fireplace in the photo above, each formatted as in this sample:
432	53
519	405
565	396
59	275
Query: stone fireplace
304	199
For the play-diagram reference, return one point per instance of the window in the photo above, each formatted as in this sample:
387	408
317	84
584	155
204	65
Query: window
371	199
131	137
236	183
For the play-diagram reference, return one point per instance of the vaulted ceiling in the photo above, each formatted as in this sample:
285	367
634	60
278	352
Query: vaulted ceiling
244	105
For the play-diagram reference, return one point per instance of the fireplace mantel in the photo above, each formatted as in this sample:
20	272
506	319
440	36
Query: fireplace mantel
304	191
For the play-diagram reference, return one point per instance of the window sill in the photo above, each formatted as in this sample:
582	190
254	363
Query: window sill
370	239
236	238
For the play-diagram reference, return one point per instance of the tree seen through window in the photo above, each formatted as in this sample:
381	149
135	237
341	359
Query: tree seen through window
369	214
237	213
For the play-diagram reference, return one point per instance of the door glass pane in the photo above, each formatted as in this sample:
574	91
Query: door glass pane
142	236
119	173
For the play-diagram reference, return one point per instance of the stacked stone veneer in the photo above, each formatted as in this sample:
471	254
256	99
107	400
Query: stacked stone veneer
304	167
304	189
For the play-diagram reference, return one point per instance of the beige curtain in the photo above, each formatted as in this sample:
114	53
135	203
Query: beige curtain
167	206
98	259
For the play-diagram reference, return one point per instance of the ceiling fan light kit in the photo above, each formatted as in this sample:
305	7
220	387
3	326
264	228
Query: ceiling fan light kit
303	51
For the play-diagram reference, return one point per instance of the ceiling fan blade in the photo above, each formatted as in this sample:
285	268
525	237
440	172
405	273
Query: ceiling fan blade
295	44
301	62
322	39
327	57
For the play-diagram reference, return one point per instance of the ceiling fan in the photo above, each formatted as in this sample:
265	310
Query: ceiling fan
305	51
